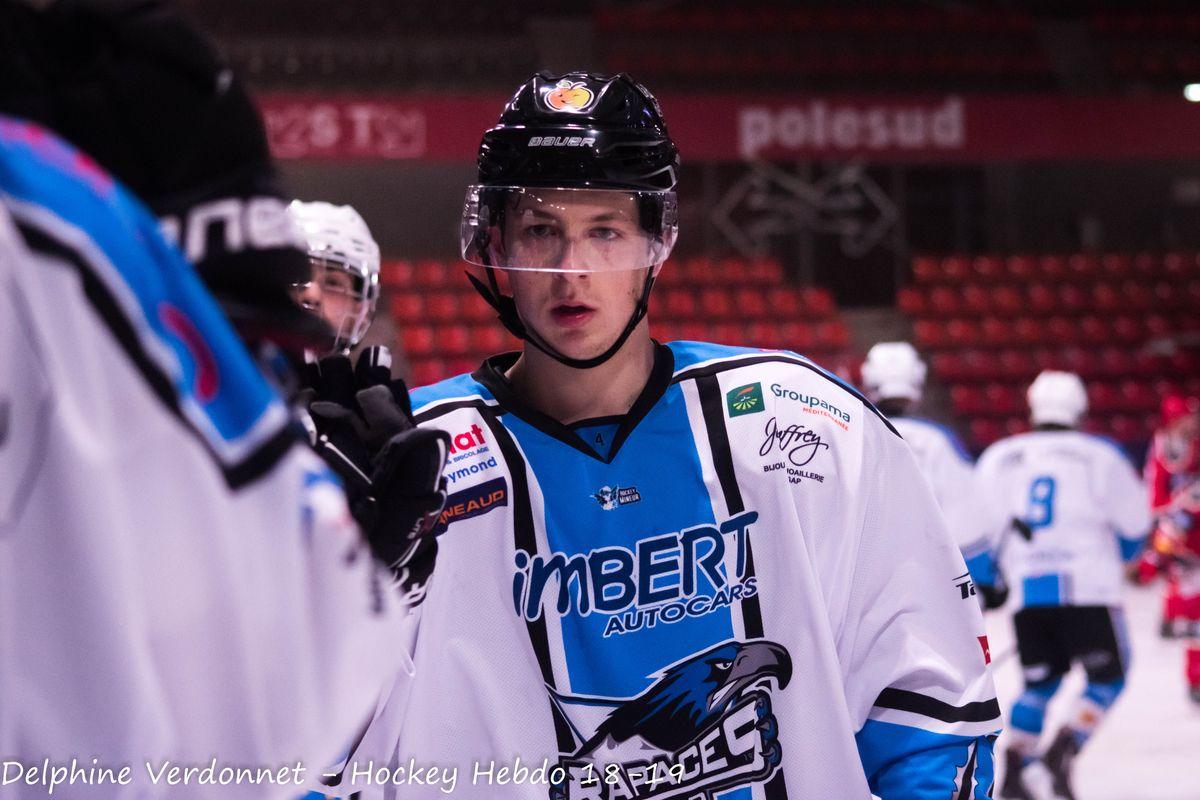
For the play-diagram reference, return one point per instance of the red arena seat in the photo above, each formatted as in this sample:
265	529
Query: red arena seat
1042	299
1007	300
716	304
944	301
955	268
418	340
678	303
1052	267
1021	268
1116	265
1072	299
817	302
988	268
1083	266
425	371
396	273
976	299
750	302
454	340
911	301
442	306
407	306
925	269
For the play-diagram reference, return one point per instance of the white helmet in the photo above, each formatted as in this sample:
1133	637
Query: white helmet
339	240
1057	398
893	369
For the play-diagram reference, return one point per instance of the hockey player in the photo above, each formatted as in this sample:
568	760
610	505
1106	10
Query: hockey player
344	285
1173	475
669	570
1067	508
181	578
353	410
190	584
894	379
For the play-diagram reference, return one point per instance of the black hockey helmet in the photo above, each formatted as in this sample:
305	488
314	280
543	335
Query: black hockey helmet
582	133
136	85
619	138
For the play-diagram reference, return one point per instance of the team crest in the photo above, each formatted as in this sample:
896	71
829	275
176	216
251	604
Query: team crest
703	726
571	97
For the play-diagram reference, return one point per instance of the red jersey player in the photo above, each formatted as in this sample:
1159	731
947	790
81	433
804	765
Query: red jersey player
1173	475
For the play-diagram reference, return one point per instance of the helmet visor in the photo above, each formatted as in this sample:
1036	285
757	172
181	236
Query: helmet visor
342	294
567	230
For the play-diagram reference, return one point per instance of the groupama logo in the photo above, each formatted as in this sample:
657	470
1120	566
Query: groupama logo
572	97
746	399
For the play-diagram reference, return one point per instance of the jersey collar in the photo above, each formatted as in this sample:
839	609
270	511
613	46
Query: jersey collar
491	375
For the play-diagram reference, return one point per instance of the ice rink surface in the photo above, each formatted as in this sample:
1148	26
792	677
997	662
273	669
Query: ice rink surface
1149	746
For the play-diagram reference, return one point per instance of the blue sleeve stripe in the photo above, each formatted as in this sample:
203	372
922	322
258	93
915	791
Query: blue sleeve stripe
982	568
1131	548
916	764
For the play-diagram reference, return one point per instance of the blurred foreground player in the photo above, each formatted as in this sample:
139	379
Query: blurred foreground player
133	84
1173	475
894	379
1067	508
182	580
182	442
659	577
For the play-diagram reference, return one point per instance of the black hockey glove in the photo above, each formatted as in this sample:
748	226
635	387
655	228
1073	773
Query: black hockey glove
392	470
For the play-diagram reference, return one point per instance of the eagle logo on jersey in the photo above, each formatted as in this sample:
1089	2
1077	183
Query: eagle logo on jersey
704	725
571	97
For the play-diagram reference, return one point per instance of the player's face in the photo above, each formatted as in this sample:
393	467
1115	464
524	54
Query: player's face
578	313
331	295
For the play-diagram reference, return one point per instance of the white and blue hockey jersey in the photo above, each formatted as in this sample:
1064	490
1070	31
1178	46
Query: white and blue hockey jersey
1081	502
946	463
742	589
181	583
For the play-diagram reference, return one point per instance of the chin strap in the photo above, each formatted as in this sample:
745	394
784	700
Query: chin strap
506	308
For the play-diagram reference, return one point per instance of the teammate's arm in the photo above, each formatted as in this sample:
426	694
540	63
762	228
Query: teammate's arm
915	661
1125	504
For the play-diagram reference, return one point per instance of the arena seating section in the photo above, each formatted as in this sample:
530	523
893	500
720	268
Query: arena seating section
1140	47
820	45
445	328
830	47
989	323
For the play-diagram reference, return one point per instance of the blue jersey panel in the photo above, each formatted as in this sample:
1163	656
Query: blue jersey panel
659	592
689	354
460	386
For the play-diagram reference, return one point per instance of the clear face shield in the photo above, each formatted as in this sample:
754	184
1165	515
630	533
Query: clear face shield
343	294
567	230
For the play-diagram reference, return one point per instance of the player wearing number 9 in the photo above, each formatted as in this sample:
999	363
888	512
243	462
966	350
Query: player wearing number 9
1077	509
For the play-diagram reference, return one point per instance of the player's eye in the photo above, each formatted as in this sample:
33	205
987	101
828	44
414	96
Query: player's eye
722	665
540	231
605	234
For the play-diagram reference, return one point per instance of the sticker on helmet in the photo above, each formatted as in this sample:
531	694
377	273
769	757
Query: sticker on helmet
572	97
